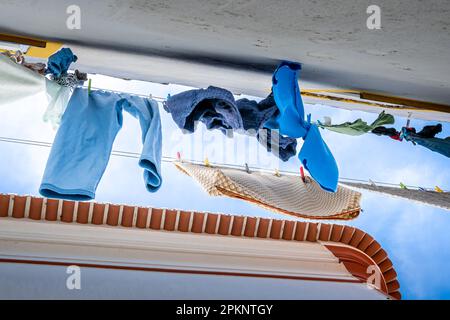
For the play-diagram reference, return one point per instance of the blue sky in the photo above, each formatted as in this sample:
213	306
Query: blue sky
414	235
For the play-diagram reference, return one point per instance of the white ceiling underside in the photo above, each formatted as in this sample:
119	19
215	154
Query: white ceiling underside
237	44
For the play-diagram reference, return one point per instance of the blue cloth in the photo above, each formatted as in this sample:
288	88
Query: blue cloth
217	109
270	139
83	143
315	155
59	62
438	145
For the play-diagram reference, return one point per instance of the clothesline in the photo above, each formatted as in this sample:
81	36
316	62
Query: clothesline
135	155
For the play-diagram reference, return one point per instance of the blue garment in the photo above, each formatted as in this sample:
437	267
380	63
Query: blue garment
315	155
438	145
217	109
83	143
270	139
59	62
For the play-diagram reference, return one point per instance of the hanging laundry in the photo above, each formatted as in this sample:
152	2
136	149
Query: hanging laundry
18	82
18	58
284	194
390	132
315	155
272	140
426	132
83	143
59	62
438	145
217	109
58	105
358	127
437	199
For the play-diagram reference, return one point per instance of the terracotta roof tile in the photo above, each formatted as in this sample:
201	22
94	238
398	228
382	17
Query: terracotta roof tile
51	210
199	222
36	208
312	232
366	241
300	231
238	225
97	214
336	232
275	229
184	221
82	212
263	228
170	219
347	234
19	207
67	211
113	215
250	227
211	223
358	235
325	232
141	219
288	232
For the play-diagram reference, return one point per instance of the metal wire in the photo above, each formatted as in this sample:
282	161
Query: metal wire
135	155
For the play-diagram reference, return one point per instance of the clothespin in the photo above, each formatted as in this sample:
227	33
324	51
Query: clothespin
372	183
408	120
277	173
422	189
403	186
247	168
302	174
89	86
206	162
178	156
438	189
150	96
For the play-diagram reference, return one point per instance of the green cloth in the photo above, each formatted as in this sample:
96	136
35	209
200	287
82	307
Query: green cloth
359	127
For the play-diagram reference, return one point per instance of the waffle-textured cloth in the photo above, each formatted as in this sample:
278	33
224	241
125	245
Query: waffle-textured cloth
284	194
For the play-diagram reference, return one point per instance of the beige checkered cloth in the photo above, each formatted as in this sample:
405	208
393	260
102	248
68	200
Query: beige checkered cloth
284	194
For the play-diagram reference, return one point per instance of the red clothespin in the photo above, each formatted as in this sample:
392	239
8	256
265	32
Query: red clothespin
302	174
178	156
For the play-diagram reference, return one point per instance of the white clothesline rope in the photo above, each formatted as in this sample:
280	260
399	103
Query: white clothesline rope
135	155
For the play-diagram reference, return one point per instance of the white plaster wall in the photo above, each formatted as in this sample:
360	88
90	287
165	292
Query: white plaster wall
24	281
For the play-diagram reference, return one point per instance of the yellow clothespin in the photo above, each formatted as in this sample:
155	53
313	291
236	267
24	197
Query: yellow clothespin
206	162
277	173
89	86
403	186
438	189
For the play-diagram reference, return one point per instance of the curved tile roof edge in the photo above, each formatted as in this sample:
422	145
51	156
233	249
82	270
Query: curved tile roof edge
37	208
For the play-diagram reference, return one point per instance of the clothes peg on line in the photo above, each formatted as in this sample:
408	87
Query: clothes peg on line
206	162
89	86
277	173
302	174
403	186
178	156
372	183
438	189
247	168
422	189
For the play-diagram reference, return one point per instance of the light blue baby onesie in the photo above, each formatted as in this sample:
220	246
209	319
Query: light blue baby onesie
83	143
